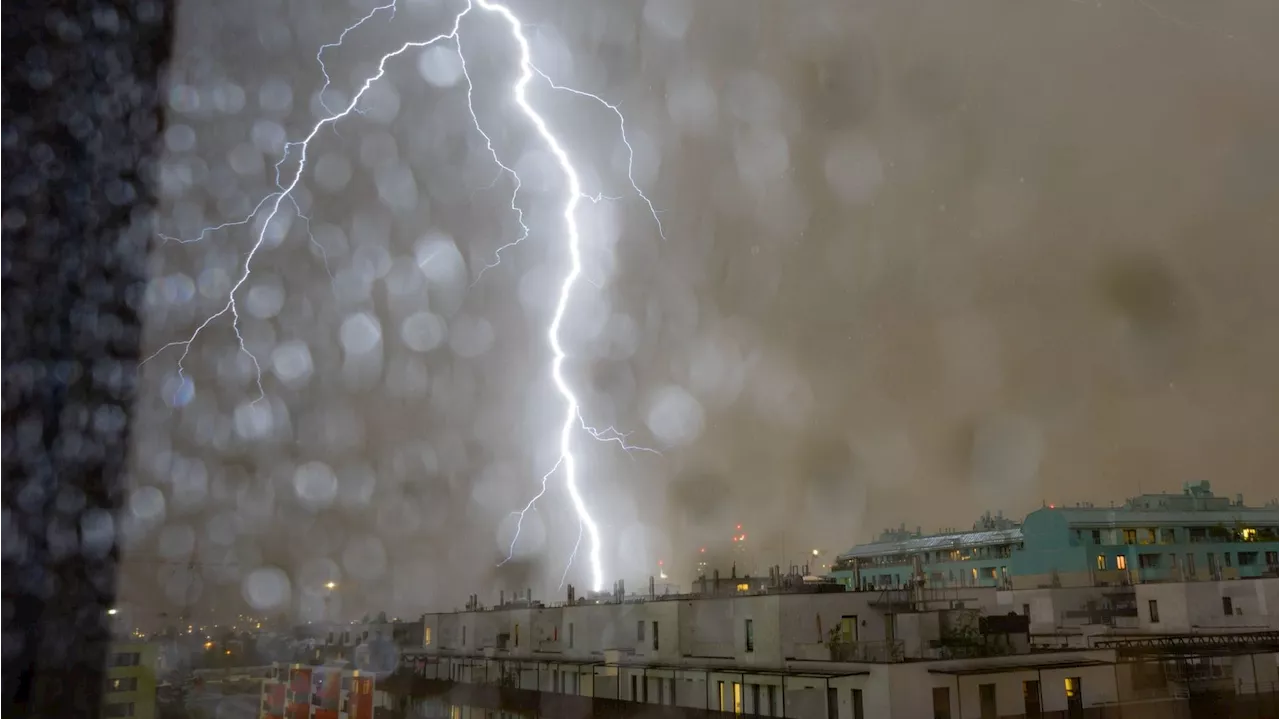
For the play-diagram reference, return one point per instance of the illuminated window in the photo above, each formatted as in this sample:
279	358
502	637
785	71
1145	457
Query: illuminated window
737	698
1248	534
426	636
1121	562
1130	536
744	587
1102	561
974	573
720	694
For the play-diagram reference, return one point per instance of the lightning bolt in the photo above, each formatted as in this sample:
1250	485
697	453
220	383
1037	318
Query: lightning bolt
573	419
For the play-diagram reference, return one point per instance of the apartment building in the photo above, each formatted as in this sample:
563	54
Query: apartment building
131	681
1190	536
949	653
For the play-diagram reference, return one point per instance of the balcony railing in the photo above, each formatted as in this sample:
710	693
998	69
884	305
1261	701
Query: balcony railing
889	650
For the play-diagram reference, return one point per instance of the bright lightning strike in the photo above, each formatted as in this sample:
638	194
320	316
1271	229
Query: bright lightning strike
573	418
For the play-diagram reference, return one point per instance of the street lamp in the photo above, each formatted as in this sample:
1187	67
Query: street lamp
112	611
331	585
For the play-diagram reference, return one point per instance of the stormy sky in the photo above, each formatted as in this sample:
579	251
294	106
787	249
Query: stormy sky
921	260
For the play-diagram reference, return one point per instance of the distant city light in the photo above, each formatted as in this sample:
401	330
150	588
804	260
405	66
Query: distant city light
815	552
330	585
112	611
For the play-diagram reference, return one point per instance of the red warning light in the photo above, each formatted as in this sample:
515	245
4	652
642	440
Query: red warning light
659	562
739	526
703	550
1050	506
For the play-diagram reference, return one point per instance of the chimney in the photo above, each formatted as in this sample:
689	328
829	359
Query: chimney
715	577
733	570
502	597
570	594
528	595
702	583
652	592
622	590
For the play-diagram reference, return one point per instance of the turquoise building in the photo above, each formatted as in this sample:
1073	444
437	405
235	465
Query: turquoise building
1190	536
979	557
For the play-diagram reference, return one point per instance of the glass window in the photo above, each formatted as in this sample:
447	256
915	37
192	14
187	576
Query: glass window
941	703
1121	562
751	636
1031	699
1130	536
1227	609
1102	561
571	635
120	709
123	684
655	635
1097	536
1153	611
640	630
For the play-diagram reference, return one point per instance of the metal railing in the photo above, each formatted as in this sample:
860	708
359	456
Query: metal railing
889	650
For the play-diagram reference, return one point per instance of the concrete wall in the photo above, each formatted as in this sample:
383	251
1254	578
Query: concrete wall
1198	606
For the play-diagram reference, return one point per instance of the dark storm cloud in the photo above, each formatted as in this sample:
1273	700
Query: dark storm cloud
922	260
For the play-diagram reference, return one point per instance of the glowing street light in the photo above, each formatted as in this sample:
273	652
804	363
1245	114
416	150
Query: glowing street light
330	585
112	611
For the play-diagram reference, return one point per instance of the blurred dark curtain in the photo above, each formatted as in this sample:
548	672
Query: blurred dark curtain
81	120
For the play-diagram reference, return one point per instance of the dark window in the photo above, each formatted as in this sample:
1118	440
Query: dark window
833	703
1227	609
635	691
1031	699
655	635
571	635
1191	564
1271	558
1097	536
855	698
122	709
751	636
1248	559
1149	561
1153	611
755	698
987	700
773	700
941	703
1167	536
123	684
1026	610
1226	559
464	635
640	630
126	659
671	691
1130	536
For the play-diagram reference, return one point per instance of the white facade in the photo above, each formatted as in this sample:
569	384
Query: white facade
770	654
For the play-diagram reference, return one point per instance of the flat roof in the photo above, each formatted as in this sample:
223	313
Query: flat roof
1010	668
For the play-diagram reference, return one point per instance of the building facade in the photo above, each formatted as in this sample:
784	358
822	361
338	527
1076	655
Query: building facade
953	653
1186	537
131	681
974	558
1192	536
